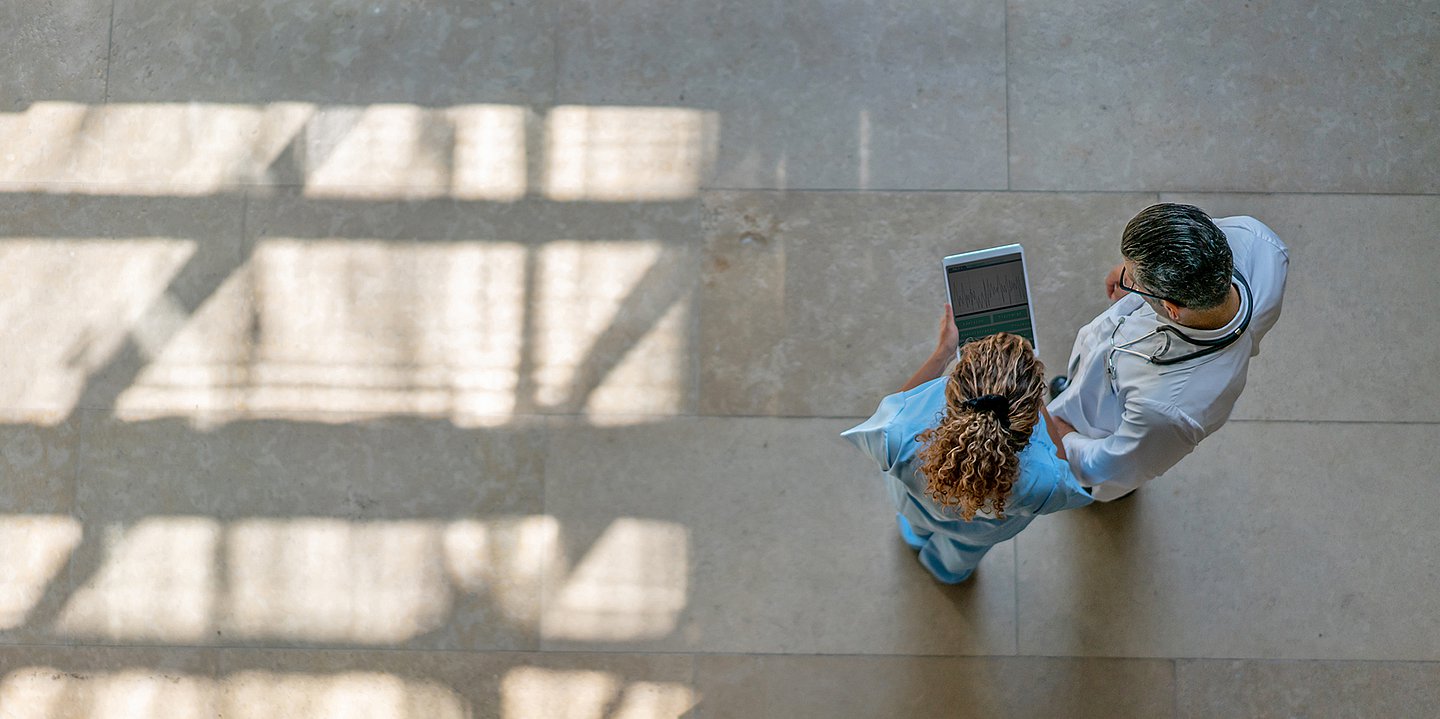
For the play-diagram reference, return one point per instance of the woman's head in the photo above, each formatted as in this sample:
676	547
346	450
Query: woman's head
992	402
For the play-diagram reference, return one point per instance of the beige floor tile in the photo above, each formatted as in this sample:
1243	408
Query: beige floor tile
38	462
487	151
450	685
52	77
108	683
746	535
1368	342
110	289
1317	690
823	303
821	96
38	527
383	468
753	686
125	683
353	99
1272	540
263	51
1275	97
390	532
53	52
467	308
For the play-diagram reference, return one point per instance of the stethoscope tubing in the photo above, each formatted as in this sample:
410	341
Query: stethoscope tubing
1207	347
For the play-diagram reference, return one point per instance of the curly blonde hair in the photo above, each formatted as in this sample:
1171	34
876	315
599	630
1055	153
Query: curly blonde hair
969	458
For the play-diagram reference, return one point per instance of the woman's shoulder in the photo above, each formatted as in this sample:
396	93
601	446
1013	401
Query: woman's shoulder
888	436
1040	468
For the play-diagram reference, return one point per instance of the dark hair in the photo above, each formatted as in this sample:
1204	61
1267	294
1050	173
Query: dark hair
1179	254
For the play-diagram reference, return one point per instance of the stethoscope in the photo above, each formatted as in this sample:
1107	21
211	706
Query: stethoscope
1207	347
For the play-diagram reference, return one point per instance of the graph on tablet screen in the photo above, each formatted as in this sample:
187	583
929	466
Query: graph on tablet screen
988	297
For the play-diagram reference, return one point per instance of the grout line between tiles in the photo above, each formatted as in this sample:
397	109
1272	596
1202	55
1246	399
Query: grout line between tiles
1015	595
109	50
857	418
556	56
694	653
549	570
1021	191
1009	148
598	421
81	422
245	243
242	187
1175	688
702	245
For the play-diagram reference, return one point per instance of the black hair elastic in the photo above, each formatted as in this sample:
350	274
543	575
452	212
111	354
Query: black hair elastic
995	404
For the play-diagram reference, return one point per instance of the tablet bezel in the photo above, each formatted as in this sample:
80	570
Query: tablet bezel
965	258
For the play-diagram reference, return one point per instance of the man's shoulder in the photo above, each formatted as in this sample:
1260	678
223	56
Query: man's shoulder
1251	231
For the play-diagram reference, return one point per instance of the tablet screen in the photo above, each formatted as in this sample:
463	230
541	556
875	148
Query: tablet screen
988	297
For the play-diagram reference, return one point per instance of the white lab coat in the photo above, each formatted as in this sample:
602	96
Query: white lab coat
1134	427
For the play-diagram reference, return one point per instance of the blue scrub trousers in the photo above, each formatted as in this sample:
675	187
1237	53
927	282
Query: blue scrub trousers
951	560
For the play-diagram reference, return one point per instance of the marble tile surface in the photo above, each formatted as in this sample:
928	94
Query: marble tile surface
1361	276
52	145
383	468
53	52
822	303
1317	689
391	532
39	461
127	683
39	682
108	288
1269	97
748	686
352	357
491	151
753	535
1272	540
352	52
38	528
449	685
844	95
472	308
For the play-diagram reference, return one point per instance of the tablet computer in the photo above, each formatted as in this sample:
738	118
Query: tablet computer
989	293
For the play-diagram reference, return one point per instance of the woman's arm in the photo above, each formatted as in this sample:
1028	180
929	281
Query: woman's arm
938	360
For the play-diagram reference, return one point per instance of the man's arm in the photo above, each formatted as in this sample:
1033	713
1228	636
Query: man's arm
1151	439
935	364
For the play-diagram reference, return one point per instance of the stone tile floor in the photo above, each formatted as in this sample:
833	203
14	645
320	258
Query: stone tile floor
393	360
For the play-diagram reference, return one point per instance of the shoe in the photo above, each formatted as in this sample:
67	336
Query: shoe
1125	496
941	575
1058	384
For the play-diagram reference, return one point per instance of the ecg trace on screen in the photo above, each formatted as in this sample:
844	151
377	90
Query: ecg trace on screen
987	288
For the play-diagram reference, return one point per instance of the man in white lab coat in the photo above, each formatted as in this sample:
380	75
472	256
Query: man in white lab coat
1161	369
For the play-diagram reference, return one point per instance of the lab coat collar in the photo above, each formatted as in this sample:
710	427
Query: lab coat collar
1217	333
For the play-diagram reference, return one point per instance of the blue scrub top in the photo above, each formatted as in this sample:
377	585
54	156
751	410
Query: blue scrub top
1045	484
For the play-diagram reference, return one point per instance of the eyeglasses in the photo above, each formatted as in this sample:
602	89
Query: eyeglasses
1142	293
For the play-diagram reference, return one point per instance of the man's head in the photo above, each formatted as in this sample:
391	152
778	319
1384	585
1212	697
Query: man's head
1176	252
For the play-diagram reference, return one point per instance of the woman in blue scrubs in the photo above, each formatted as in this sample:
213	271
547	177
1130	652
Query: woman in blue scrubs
969	458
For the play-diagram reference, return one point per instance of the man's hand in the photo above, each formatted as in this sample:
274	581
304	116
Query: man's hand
1057	428
949	336
1112	283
